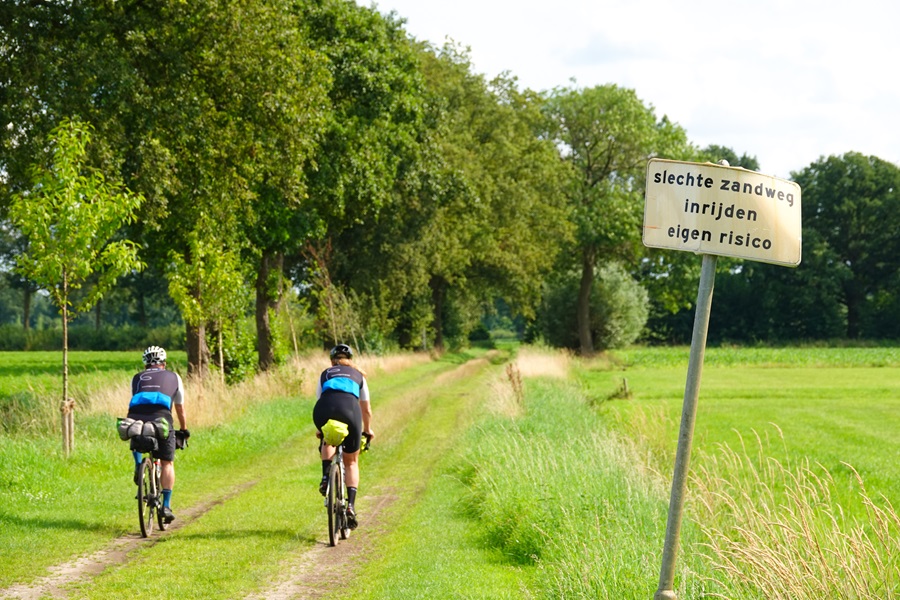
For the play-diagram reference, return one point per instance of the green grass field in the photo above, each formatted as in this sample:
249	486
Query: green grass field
830	405
31	383
555	489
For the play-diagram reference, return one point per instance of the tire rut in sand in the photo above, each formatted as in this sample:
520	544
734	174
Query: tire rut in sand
314	573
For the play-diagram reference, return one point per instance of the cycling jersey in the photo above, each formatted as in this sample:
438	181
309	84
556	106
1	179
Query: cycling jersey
157	388
341	378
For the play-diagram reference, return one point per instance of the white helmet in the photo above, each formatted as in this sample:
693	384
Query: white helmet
154	355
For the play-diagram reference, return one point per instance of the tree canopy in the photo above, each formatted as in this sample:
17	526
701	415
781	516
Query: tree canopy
318	158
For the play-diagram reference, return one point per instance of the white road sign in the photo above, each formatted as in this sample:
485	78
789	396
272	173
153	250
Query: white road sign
726	211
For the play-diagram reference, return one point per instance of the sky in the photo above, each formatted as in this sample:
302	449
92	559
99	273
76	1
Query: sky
786	81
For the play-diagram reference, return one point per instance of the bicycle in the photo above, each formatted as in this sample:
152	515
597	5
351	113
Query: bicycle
336	494
149	494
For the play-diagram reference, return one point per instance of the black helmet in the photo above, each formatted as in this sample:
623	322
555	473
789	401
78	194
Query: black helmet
341	350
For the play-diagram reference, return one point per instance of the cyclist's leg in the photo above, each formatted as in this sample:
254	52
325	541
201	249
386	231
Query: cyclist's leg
166	456
351	480
351	468
321	414
138	459
167	476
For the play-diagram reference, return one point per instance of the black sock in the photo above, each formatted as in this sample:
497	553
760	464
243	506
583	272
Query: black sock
326	464
351	496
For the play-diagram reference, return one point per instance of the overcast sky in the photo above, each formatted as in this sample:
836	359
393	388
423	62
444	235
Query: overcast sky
786	81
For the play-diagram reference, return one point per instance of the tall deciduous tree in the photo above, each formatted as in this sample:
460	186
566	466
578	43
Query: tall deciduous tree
477	216
847	200
371	140
224	106
506	184
71	217
606	134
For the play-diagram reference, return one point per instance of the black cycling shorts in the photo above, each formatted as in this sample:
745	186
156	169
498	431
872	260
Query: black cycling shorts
344	408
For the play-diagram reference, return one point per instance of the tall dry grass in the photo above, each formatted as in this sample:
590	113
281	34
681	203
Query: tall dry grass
507	390
210	401
772	531
533	361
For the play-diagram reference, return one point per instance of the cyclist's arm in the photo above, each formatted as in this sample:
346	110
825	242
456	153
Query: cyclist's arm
366	407
178	402
179	411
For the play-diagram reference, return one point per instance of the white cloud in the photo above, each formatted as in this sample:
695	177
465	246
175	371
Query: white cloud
785	80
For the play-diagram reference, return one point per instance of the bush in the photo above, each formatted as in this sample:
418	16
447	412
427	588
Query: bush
239	352
619	310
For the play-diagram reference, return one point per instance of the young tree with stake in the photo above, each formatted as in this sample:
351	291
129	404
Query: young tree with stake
70	217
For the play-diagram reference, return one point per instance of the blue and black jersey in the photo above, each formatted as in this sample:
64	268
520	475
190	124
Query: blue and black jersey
341	378
154	389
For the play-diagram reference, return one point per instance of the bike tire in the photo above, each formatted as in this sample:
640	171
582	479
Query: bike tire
146	508
157	496
332	505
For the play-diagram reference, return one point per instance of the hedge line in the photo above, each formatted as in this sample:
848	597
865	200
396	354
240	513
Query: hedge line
85	337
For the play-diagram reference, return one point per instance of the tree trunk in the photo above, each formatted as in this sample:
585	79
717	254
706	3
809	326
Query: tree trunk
221	354
68	424
98	314
197	350
26	308
854	301
584	303
268	295
438	289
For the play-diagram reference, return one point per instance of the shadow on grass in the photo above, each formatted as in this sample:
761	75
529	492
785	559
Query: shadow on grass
26	523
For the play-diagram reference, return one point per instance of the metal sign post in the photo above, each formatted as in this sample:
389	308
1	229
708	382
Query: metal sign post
712	210
686	434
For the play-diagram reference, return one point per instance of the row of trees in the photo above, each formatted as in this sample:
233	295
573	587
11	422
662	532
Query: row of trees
281	147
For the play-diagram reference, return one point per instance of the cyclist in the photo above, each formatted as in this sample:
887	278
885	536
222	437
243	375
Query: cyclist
154	391
342	394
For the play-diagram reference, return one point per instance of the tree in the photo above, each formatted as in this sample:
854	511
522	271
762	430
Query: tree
619	308
715	153
70	217
223	103
847	200
478	215
607	135
208	287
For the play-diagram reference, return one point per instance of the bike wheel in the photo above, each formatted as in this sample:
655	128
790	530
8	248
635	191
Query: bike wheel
157	498
146	506
332	504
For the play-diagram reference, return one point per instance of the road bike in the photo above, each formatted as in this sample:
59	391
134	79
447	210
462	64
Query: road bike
149	490
336	495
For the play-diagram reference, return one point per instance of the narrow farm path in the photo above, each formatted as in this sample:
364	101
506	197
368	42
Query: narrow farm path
261	533
418	428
